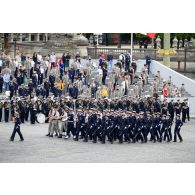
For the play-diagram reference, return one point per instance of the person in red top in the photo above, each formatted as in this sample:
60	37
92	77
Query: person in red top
165	91
101	58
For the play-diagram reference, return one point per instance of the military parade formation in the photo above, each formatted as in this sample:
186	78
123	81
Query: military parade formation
90	102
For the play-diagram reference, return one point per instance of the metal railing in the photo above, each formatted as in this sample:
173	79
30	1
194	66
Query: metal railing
94	52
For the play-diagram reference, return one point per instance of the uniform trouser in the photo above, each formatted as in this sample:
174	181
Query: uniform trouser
0	114
171	115
103	138
82	130
157	132
138	135
26	114
63	127
166	135
54	127
22	116
96	134
49	128
33	117
6	112
126	134
162	132
109	134
170	133
16	130
152	133
146	132
177	133
188	114
70	128
130	131
77	130
184	116
1	88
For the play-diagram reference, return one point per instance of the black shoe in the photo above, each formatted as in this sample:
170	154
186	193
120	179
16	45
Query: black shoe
22	140
76	139
47	134
174	141
181	140
85	140
50	135
102	142
11	140
56	134
60	136
94	141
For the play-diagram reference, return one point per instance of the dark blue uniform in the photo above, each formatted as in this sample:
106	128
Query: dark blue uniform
178	124
16	130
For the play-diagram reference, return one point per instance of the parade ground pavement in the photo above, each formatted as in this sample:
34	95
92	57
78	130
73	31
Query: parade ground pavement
39	148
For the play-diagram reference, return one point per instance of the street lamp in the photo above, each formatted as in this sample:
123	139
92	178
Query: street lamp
158	42
97	38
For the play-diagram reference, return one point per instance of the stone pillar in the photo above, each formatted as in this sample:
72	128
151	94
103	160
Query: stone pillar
20	39
166	59
29	37
46	37
11	37
37	37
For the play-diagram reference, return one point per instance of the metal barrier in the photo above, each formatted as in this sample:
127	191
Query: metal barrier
94	52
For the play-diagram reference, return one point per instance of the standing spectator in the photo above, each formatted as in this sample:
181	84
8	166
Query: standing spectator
148	62
23	58
101	58
182	90
127	61
39	58
1	64
78	57
131	73
71	74
66	61
134	65
105	72
6	77
110	60
35	58
145	44
52	60
122	60
41	74
1	83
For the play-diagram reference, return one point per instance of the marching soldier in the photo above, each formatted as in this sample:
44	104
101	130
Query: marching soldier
178	124
17	128
6	110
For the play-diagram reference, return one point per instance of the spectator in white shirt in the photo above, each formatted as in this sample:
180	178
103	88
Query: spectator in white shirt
39	58
1	64
53	59
41	74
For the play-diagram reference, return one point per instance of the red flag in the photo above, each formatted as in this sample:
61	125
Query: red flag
151	35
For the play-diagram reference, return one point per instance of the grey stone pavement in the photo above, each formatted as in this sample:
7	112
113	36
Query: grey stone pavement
41	149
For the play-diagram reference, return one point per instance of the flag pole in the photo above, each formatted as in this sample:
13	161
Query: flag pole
131	47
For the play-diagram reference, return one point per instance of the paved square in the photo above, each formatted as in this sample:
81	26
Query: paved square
39	148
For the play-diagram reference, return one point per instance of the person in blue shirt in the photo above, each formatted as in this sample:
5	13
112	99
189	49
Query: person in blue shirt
148	62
